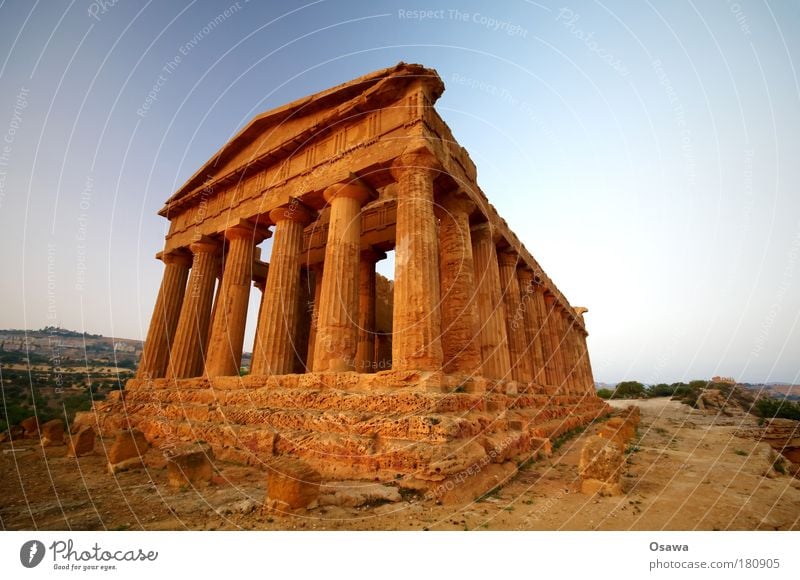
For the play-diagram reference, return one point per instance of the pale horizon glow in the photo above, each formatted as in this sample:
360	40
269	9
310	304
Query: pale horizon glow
646	154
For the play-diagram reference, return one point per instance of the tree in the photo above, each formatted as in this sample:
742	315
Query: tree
605	393
661	390
629	390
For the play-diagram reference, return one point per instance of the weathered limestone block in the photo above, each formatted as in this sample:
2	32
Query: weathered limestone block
82	442
189	465
127	451
291	484
30	427
357	493
53	433
600	467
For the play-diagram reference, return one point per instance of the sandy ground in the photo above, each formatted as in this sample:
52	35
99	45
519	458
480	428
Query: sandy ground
686	471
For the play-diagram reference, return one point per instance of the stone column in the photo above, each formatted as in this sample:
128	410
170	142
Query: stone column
491	311
587	365
518	344
365	353
567	348
277	324
337	331
554	329
580	369
548	345
303	330
459	306
533	330
187	354
230	316
416	333
312	332
155	356
261	284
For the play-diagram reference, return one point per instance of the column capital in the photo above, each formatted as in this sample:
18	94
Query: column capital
294	211
488	230
372	255
350	189
179	257
455	202
415	157
204	245
508	257
245	229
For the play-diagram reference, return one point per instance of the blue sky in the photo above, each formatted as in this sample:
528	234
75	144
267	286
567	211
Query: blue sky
646	153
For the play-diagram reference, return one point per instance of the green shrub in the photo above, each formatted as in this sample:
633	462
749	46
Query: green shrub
776	408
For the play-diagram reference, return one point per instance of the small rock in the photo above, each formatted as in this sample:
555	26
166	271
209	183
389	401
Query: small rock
53	433
127	451
189	465
81	443
30	427
291	484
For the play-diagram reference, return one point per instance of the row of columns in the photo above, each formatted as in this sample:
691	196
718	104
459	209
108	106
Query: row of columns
459	303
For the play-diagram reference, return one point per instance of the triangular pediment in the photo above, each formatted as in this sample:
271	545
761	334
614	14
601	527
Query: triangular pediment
282	131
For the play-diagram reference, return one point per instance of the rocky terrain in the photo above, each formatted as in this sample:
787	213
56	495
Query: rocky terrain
685	469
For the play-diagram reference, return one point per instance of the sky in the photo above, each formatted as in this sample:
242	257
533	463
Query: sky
647	153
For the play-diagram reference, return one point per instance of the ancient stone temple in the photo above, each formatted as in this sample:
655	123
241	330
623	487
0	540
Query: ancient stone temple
487	358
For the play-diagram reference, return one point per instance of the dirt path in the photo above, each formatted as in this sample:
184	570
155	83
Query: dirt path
686	471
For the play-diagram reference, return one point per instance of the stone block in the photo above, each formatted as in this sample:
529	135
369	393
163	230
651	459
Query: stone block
292	483
601	460
127	451
30	427
189	465
82	442
52	433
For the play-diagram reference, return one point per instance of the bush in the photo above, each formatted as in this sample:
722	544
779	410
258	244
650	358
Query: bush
775	408
629	390
661	390
605	393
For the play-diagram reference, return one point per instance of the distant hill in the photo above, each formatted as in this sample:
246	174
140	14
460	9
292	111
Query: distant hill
63	347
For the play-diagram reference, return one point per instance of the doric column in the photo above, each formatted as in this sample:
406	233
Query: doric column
155	356
416	333
518	344
533	330
337	332
580	369
365	353
230	315
277	324
303	330
491	311
551	376
312	332
567	348
587	365
187	354
554	329
459	306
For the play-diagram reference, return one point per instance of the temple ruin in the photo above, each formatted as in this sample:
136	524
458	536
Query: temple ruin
485	359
